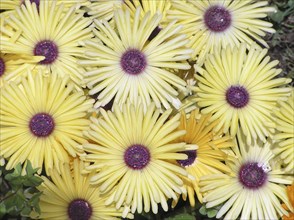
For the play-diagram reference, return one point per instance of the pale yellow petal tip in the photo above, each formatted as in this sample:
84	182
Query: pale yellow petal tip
191	146
191	177
2	161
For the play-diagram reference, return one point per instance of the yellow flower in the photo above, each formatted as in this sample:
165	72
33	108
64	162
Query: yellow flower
255	187
220	23
208	157
69	195
285	132
132	153
240	88
126	65
42	119
49	32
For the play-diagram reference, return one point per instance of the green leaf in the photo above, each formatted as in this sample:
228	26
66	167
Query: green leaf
20	195
35	199
202	210
278	16
17	182
15	174
16	202
32	181
26	211
28	192
2	210
37	208
212	213
34	202
29	169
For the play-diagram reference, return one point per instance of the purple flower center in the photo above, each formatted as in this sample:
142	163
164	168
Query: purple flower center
48	49
192	154
41	125
133	62
217	18
2	67
79	209
252	176
237	96
137	157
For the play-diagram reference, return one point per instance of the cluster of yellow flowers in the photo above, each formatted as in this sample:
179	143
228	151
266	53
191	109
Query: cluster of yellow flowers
125	105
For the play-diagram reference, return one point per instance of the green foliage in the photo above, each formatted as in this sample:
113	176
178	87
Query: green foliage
209	212
184	213
281	42
284	8
18	193
183	216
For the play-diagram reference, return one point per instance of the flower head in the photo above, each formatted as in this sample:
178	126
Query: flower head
240	88
132	152
254	187
208	157
126	65
50	32
69	195
42	119
212	23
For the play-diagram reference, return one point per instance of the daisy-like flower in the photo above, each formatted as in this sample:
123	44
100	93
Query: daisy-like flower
14	65
69	195
126	65
51	33
133	151
285	132
255	187
208	157
240	88
42	119
216	22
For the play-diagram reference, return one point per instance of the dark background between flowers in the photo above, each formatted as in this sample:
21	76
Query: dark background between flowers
281	47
